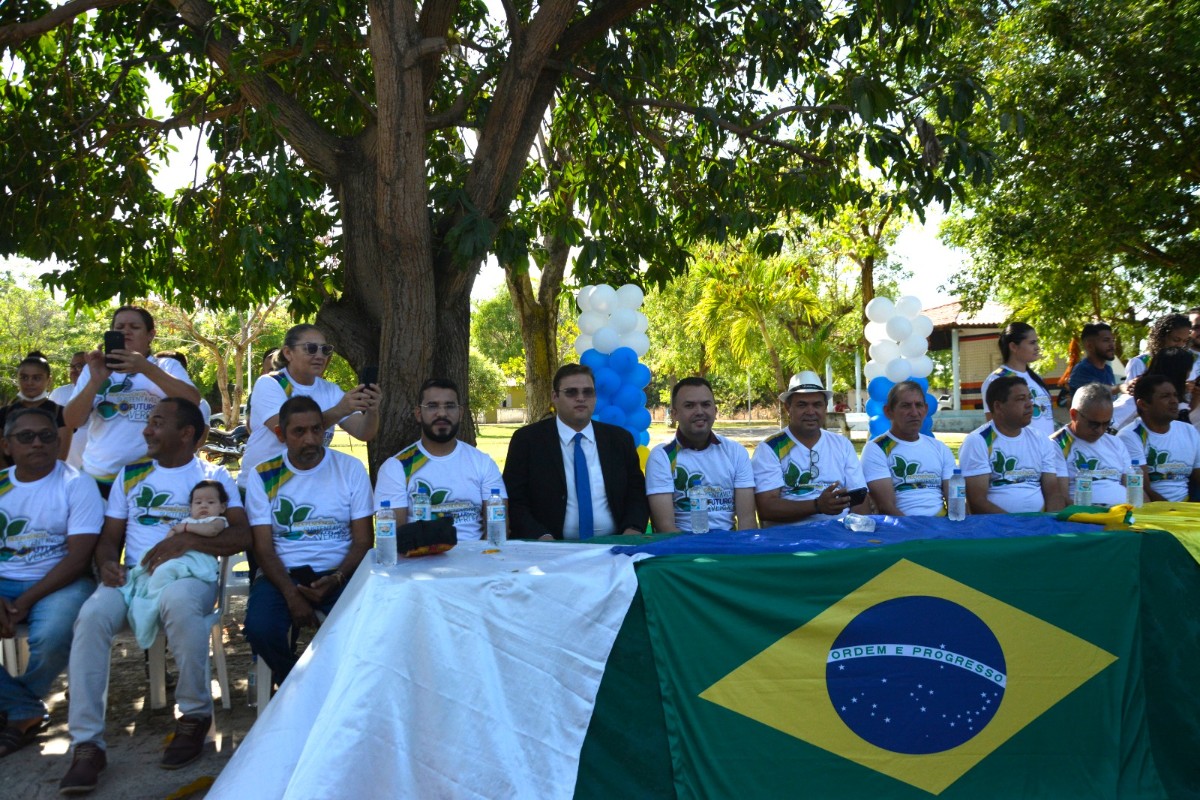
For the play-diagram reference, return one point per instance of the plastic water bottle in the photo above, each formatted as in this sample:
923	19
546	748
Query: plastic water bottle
422	510
698	503
1133	485
385	534
858	522
956	505
1083	489
497	527
252	683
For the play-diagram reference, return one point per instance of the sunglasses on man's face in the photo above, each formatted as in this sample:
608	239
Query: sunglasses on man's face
312	348
573	392
45	435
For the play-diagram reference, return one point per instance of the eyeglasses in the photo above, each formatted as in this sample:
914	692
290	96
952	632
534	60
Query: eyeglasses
1097	424
312	348
574	391
45	435
433	408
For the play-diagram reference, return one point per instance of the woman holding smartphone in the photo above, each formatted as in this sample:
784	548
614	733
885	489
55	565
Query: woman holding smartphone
117	391
301	364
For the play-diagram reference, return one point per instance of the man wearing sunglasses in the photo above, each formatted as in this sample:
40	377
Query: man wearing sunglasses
570	477
1086	447
457	477
51	514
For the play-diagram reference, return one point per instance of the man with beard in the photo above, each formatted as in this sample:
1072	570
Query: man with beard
310	516
722	467
148	497
1099	349
1168	450
457	477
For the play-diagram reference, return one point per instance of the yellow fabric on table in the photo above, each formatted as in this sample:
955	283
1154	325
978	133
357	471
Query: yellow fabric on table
1181	520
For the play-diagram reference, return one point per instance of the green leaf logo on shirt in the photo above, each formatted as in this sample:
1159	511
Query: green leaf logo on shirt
683	482
107	409
10	528
1155	458
146	500
1082	463
904	470
288	515
1002	465
436	496
799	482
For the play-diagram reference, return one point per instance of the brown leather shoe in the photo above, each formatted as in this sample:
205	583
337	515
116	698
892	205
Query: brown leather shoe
85	770
188	742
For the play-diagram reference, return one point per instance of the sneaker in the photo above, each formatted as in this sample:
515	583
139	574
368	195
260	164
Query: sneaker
85	770
188	742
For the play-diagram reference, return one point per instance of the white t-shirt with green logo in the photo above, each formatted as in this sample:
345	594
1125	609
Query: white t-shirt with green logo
781	462
269	394
916	470
1014	464
119	413
37	517
1170	456
1105	459
458	484
151	498
310	511
721	467
1043	408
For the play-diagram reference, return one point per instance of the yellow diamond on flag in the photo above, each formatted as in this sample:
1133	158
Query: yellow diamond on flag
913	675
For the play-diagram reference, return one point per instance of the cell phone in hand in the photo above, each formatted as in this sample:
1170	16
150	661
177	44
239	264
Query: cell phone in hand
113	340
304	575
857	495
369	376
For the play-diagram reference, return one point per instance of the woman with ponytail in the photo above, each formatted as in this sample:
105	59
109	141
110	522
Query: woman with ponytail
1019	349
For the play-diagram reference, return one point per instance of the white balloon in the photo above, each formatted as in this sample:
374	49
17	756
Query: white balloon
638	342
643	323
913	346
606	340
591	321
583	343
630	296
921	366
875	332
908	306
872	370
880	309
603	298
584	298
922	326
898	329
898	370
885	351
623	320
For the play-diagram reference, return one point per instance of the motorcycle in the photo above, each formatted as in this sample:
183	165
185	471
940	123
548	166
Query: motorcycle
225	447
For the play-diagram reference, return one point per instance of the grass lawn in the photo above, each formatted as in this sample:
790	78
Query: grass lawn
493	439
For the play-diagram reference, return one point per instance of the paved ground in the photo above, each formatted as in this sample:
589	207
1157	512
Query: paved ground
136	735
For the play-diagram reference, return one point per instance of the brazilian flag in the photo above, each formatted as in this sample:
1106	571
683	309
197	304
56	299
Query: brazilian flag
1038	667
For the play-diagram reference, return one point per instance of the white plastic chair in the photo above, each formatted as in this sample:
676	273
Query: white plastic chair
228	585
14	652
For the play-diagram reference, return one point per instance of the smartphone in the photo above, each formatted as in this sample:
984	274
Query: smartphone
857	495
113	340
369	376
304	575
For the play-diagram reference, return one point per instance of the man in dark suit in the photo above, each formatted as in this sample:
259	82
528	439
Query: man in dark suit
571	478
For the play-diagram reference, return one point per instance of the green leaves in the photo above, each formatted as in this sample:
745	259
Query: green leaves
792	476
905	469
283	514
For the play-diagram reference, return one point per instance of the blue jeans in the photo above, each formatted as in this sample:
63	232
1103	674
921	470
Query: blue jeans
50	621
268	626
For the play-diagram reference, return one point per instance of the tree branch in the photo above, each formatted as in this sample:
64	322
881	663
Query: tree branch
316	145
18	32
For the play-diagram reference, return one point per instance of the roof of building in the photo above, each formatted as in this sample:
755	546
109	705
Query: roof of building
951	315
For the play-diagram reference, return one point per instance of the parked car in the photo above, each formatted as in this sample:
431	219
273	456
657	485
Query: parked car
946	403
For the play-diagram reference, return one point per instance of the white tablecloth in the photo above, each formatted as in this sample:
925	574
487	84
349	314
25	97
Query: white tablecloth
463	675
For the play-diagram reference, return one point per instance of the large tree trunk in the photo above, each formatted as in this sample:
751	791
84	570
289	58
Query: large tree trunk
538	316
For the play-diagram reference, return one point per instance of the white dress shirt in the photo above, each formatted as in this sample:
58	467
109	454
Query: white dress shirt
602	518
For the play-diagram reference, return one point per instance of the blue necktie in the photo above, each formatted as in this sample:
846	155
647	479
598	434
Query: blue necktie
583	490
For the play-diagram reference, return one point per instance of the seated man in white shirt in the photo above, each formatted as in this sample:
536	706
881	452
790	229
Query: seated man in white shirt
1168	450
1008	468
804	473
457	477
907	472
311	519
1086	447
721	466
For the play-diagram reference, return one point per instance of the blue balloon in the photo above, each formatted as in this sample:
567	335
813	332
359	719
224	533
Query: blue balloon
622	359
642	438
879	387
638	420
607	382
613	415
930	401
639	376
593	359
630	398
922	382
601	404
879	425
927	426
875	407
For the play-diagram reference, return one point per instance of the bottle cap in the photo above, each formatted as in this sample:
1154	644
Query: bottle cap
695	482
385	503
